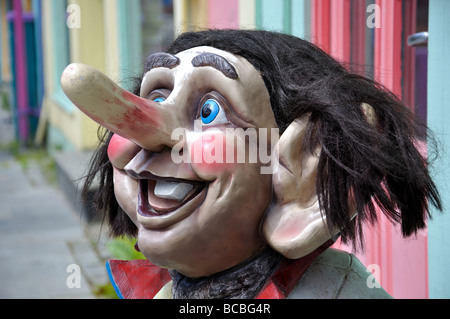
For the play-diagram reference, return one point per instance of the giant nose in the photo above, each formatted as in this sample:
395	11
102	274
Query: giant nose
142	121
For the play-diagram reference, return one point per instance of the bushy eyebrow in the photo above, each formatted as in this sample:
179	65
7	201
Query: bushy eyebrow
161	60
216	61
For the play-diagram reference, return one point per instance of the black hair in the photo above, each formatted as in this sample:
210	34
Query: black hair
375	165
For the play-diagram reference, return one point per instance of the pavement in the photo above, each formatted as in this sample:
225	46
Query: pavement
47	250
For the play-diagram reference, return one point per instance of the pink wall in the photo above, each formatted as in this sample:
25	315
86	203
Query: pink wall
223	14
404	260
340	30
320	23
403	270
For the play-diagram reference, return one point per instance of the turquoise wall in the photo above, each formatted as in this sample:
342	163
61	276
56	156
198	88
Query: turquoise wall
439	123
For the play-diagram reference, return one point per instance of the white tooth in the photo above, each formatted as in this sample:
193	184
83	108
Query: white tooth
172	190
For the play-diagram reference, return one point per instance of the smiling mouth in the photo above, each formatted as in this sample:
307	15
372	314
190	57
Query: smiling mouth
160	197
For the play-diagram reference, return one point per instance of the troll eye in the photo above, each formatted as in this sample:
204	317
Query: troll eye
212	113
158	95
159	99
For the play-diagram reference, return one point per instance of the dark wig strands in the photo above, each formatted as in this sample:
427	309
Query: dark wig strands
376	166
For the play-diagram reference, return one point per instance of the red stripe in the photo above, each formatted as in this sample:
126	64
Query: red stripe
320	24
340	30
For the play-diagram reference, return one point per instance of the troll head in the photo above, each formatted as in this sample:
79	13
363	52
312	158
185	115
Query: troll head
235	142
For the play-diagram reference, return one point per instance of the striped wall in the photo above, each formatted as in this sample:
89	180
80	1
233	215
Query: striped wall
284	16
346	29
401	262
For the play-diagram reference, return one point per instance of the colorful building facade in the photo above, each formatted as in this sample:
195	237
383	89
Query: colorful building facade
39	38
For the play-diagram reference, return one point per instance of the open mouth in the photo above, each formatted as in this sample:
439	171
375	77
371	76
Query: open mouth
159	197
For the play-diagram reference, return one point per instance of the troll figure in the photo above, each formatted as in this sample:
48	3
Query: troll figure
240	158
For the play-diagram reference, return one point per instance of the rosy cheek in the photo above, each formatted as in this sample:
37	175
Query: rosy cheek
121	151
209	154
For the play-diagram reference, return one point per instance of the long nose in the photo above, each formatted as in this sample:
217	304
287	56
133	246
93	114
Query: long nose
142	121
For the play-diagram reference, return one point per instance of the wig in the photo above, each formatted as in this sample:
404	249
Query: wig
375	165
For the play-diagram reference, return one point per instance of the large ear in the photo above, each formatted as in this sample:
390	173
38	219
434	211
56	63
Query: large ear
294	224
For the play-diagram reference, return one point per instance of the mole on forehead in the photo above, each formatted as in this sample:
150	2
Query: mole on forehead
167	60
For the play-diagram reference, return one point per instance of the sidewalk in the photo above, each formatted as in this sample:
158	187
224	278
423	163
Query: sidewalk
41	236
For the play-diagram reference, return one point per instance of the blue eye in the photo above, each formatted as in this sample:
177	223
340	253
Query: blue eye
209	111
159	99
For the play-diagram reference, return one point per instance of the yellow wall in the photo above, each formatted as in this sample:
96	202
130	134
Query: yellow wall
179	16
86	46
99	42
190	15
111	39
6	62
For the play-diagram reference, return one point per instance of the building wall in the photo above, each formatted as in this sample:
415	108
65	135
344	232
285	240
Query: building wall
438	121
99	35
370	37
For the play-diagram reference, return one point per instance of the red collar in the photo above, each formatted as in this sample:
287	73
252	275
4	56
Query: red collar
140	279
136	279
